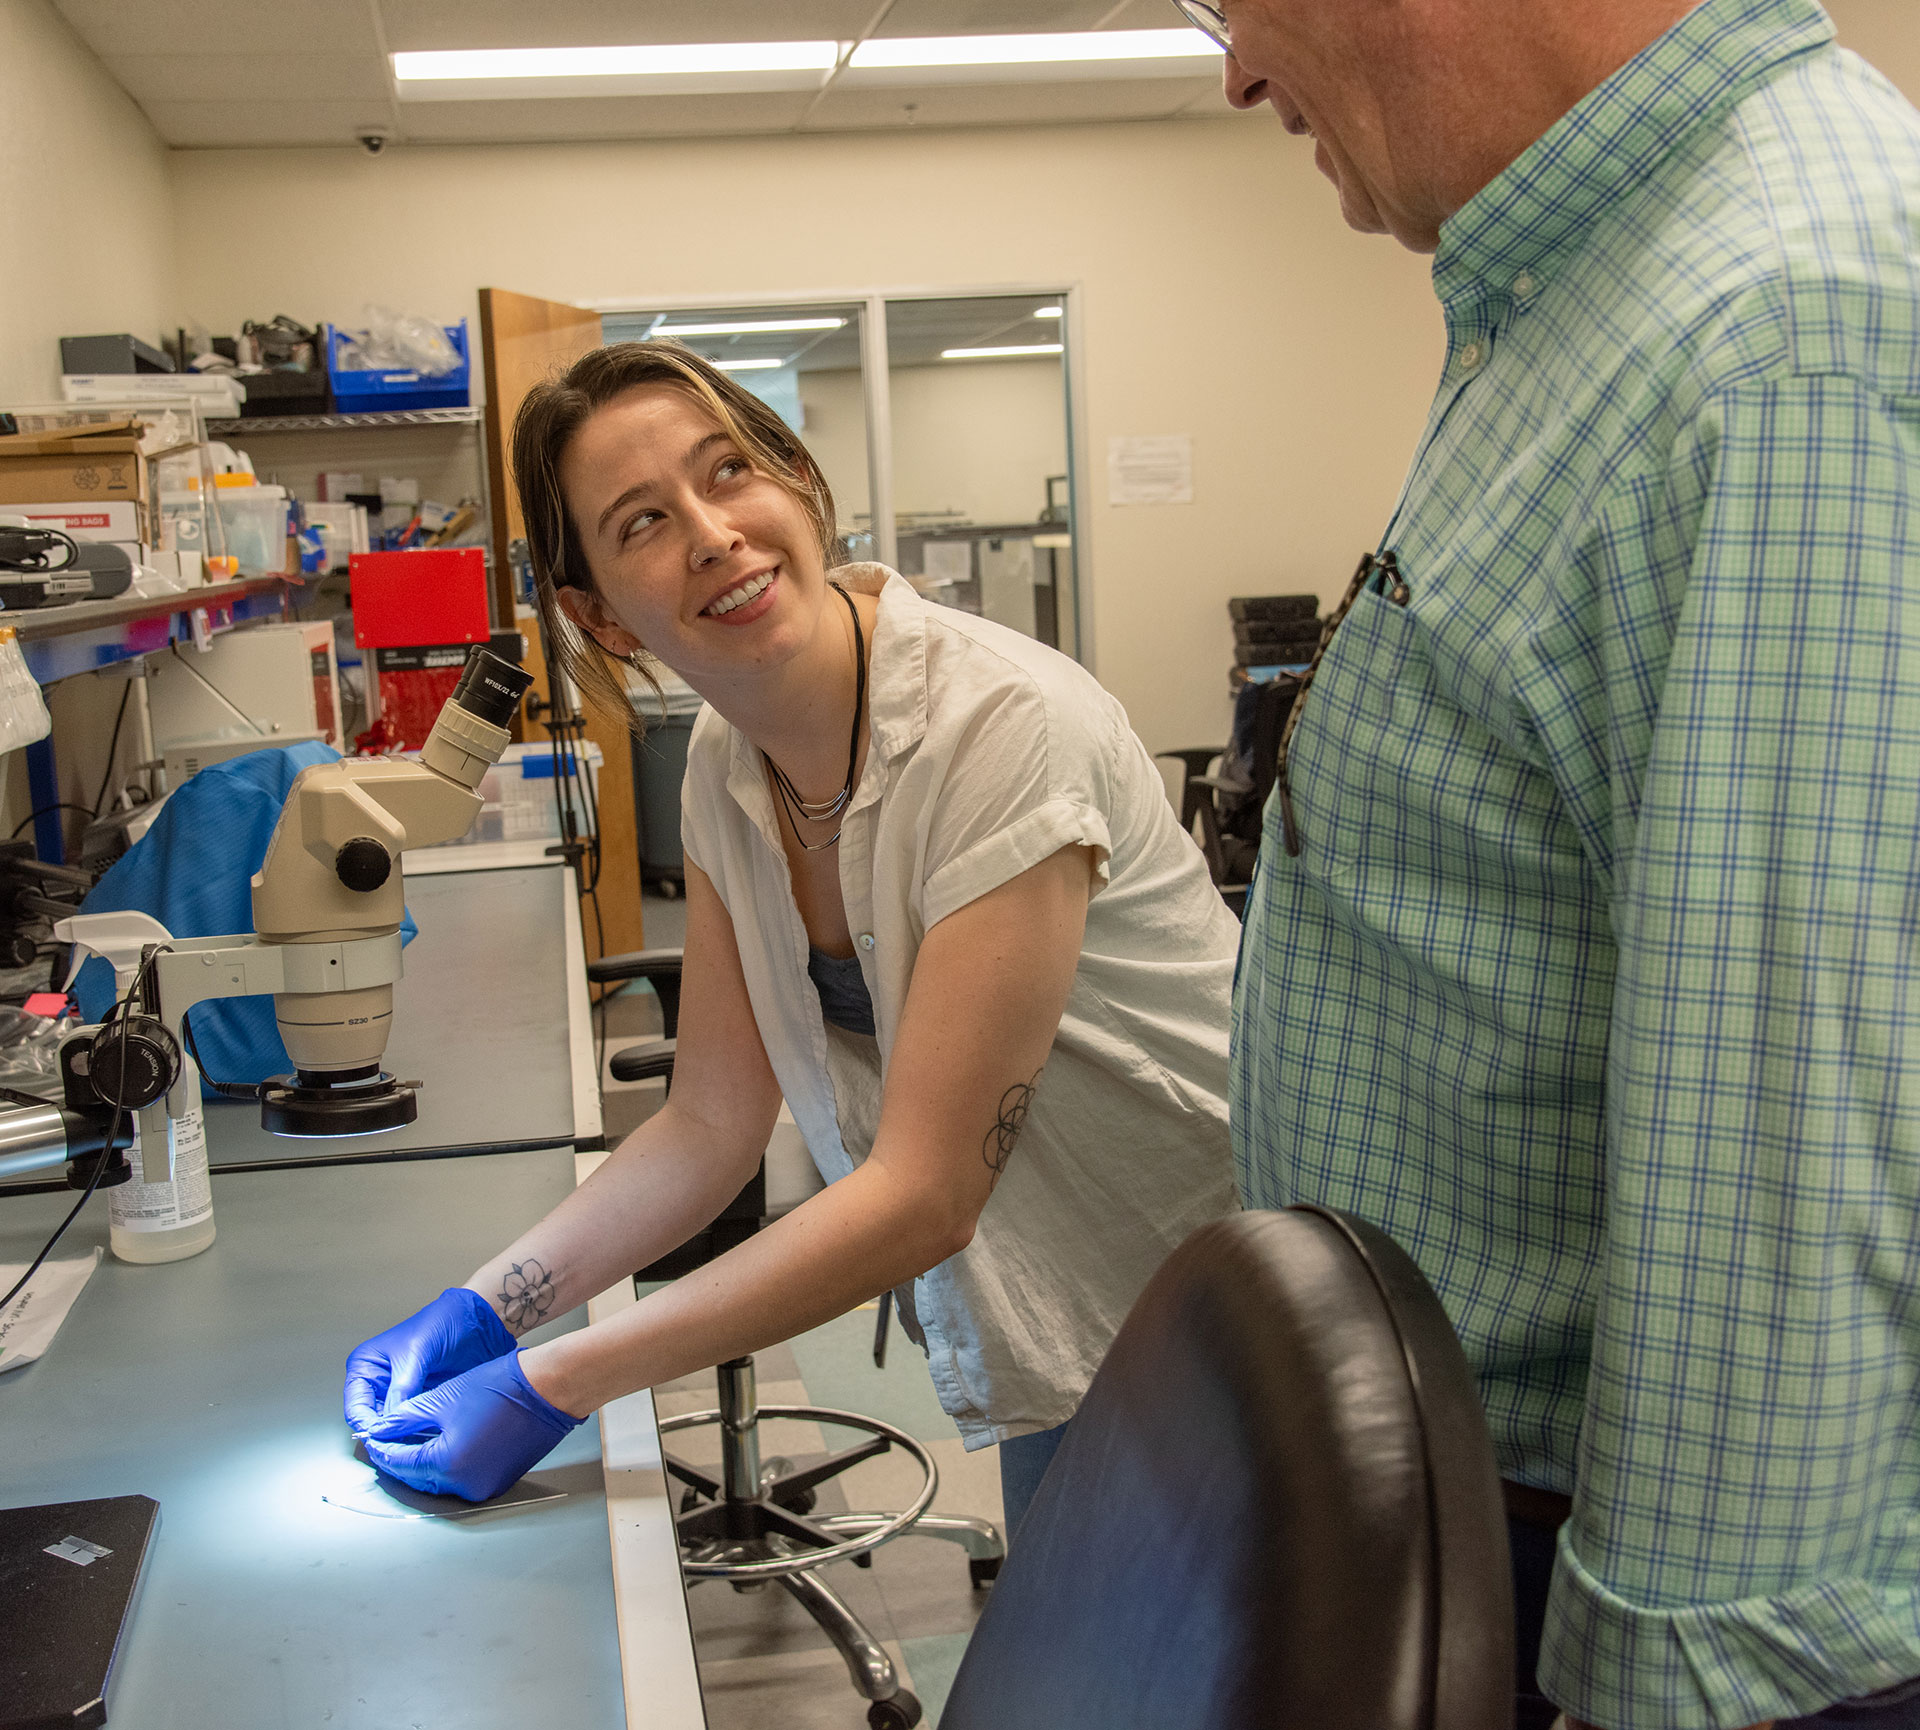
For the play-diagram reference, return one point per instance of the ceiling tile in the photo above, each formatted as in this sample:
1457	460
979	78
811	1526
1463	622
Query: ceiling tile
1143	15
992	17
215	78
1006	104
115	28
1213	101
424	24
603	117
224	125
236	73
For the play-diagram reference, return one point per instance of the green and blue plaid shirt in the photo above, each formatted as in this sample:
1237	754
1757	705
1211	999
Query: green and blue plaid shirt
1596	980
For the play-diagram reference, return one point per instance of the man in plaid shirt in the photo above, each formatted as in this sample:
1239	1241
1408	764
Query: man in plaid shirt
1581	955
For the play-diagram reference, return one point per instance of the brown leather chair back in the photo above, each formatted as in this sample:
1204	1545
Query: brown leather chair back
1277	1509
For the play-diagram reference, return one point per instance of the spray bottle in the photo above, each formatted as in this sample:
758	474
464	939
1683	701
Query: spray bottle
150	1222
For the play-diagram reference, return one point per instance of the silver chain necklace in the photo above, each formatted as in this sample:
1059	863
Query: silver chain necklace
825	810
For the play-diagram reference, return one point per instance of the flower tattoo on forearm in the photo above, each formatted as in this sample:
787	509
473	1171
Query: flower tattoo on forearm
526	1294
1009	1120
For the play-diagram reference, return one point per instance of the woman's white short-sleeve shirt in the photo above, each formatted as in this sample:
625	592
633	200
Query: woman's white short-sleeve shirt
988	753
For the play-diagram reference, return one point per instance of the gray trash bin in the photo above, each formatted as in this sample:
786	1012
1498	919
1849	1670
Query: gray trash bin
659	767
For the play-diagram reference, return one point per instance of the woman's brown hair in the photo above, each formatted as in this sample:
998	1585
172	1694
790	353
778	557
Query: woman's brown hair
549	418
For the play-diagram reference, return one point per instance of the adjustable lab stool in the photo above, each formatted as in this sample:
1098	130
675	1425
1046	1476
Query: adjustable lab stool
756	1522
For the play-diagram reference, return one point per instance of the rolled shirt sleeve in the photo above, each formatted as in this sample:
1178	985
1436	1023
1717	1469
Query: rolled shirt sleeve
1745	1541
1028	778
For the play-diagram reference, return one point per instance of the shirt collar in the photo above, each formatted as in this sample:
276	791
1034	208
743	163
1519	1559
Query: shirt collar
896	693
1539	210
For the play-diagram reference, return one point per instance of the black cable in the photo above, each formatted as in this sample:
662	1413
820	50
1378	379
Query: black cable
590	801
116	1021
25	551
606	991
42	810
86	1195
231	1089
113	745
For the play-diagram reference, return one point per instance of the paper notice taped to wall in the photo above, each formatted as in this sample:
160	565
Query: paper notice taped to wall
1157	470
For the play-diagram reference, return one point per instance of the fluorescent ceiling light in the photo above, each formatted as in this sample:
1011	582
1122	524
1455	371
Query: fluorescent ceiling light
674	68
721	68
650	61
1031	49
1048	311
748	327
748	365
1000	353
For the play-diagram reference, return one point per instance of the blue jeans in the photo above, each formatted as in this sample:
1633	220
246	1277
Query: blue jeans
1023	1463
1532	1547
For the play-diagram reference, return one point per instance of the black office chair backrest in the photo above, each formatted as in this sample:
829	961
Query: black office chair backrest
1277	1509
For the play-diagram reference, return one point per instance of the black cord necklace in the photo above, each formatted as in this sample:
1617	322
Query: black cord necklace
825	810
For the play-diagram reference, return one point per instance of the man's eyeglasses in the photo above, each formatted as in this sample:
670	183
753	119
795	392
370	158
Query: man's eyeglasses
1383	570
1210	21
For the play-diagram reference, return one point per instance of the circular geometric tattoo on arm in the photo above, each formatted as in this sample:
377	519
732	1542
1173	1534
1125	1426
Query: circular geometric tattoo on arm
1009	1120
526	1294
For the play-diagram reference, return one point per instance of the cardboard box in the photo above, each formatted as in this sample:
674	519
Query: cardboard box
109	520
90	468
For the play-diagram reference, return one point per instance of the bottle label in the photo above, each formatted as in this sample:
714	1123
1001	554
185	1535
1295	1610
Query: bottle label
188	1200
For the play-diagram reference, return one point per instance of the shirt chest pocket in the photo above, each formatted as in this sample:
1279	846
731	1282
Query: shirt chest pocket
1377	742
1360	675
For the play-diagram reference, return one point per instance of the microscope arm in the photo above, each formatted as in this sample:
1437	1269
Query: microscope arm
201	969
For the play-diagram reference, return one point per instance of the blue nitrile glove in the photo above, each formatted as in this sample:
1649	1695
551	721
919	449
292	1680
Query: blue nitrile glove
453	1333
471	1437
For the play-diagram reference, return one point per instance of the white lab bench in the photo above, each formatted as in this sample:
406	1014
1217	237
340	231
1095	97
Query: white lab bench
213	1384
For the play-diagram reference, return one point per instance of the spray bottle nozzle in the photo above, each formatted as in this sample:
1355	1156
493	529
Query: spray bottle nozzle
120	939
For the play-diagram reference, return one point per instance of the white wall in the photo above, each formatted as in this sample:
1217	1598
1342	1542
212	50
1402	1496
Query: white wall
1223	298
979	437
1887	32
974	437
84	201
86	209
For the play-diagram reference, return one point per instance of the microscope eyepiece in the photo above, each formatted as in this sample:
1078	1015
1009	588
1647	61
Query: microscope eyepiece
490	688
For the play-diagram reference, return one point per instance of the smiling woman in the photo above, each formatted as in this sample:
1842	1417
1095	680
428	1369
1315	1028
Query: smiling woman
547	424
936	901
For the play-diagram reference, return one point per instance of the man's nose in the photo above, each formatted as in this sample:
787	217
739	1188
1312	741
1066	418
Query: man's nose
1242	88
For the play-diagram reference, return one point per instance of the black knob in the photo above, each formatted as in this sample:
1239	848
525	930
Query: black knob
363	865
133	1062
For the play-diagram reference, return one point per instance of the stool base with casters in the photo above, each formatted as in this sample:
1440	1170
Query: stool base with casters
756	1524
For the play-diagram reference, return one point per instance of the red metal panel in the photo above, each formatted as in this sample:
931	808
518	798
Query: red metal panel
408	600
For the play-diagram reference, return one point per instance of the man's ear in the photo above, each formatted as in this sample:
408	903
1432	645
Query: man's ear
590	616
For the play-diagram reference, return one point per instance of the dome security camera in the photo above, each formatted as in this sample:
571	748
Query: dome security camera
373	142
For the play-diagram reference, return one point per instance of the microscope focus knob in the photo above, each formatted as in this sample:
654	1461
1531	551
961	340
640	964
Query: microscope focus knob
363	865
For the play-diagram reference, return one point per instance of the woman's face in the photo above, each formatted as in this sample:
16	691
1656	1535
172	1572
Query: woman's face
696	556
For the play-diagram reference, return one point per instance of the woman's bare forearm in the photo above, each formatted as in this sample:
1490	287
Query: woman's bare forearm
855	1239
668	1179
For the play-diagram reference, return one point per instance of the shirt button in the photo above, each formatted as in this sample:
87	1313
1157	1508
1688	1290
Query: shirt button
1523	285
866	940
1472	355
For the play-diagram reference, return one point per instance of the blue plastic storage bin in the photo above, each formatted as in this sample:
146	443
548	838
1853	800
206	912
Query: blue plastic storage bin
376	392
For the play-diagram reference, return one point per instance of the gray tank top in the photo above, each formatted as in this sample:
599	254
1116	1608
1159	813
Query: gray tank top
844	999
